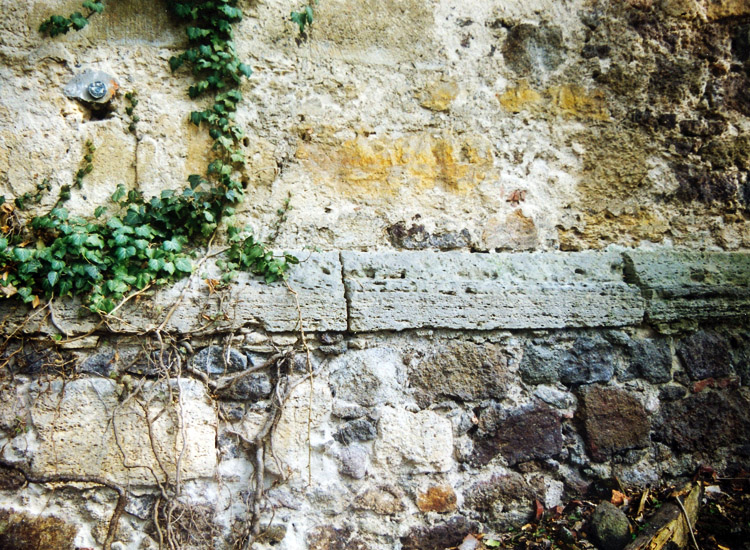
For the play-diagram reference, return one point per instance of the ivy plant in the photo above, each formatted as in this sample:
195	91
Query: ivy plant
304	18
144	241
57	24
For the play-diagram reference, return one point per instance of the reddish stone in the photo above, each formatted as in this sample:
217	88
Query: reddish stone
729	382
520	435
438	498
614	421
723	383
703	384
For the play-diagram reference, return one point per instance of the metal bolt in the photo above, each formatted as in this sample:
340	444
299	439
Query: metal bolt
97	89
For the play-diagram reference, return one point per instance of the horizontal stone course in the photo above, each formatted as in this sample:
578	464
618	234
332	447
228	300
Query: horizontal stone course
397	291
376	291
687	284
249	303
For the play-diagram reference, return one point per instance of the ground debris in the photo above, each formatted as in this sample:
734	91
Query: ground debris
723	521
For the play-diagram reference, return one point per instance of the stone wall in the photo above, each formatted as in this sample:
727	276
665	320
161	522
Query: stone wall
531	274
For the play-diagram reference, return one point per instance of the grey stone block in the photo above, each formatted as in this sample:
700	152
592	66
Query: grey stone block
396	291
250	302
691	285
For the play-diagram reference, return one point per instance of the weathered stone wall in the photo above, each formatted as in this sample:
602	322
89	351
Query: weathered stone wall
532	271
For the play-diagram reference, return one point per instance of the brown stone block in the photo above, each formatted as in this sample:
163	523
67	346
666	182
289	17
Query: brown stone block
614	421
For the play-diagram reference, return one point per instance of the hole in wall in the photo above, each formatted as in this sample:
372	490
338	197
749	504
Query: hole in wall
102	113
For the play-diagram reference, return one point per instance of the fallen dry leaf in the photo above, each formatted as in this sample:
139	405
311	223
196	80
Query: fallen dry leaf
642	504
9	290
212	284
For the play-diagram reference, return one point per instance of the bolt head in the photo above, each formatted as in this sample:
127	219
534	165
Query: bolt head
97	89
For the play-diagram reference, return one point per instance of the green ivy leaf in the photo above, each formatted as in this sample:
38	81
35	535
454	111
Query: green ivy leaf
175	62
119	193
196	117
172	245
245	69
25	293
78	20
195	180
95	240
144	231
117	286
121	253
65	287
22	254
155	264
92	272
184	264
94	6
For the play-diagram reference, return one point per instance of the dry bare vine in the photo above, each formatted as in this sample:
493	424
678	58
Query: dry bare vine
177	524
122	495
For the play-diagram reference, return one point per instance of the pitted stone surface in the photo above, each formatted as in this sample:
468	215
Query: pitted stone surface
75	423
416	289
705	422
396	291
317	282
423	440
503	497
369	377
705	354
686	284
462	370
614	421
522	434
651	359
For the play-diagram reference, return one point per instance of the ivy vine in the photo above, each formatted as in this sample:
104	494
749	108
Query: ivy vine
304	17
145	241
57	24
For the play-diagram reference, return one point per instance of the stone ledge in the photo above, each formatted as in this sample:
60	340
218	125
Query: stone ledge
452	290
691	285
249	303
397	291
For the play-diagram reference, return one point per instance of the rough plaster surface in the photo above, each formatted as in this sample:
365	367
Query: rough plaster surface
527	125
